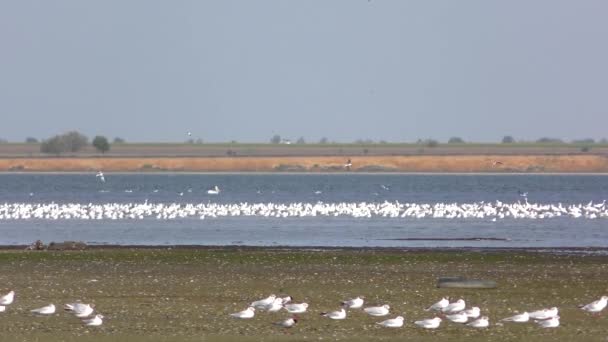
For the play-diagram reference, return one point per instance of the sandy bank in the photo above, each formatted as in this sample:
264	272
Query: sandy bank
469	163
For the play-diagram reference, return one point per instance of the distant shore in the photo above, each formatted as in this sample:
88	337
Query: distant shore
315	164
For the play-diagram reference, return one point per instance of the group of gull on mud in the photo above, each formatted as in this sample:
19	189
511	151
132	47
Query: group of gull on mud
456	312
79	309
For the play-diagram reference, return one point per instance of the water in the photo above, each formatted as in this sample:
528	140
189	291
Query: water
308	231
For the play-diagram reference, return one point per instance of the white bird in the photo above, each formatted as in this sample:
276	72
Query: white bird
519	318
286	300
597	305
2	308
45	310
296	307
288	323
214	191
341	314
79	309
431	323
460	317
189	134
396	322
482	322
276	306
262	303
458	305
543	314
440	305
101	177
378	310
247	313
354	303
473	312
8	298
94	322
552	322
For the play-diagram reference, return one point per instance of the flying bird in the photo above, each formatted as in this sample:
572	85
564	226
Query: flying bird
100	176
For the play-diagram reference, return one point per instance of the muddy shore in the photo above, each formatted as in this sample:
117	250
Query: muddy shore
187	294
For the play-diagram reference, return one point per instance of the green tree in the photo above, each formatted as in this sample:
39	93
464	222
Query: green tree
301	141
276	139
455	140
507	139
31	140
101	144
119	140
67	142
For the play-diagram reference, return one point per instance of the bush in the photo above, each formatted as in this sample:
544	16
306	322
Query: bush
31	140
101	144
507	139
68	142
455	140
546	140
119	140
276	139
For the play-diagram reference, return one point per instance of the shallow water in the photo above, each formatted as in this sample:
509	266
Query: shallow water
308	231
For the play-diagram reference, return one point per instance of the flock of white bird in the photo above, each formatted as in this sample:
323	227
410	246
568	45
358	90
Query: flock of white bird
167	211
456	312
80	310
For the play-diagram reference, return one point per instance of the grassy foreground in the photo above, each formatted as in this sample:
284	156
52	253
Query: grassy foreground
188	294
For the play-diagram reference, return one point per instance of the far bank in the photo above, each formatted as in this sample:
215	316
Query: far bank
433	163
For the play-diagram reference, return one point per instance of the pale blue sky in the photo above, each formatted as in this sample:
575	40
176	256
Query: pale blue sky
344	69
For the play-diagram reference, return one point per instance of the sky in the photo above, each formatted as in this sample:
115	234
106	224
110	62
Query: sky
393	70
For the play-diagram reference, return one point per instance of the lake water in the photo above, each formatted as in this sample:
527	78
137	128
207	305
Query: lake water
344	230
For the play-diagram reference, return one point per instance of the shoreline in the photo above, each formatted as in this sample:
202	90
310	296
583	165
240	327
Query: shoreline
453	164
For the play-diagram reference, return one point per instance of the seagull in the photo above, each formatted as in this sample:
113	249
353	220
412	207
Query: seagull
348	164
440	305
79	309
263	302
275	306
288	323
296	307
378	310
93	322
482	322
101	177
458	305
286	300
522	194
355	303
8	298
335	314
519	318
189	134
247	313
318	192
596	306
543	314
431	323
45	310
473	312
552	322
214	191
2	308
396	322
460	317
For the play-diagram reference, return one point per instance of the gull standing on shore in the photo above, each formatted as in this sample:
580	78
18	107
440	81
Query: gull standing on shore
245	314
355	303
341	314
262	303
458	305
431	323
596	306
396	322
378	310
45	310
519	318
8	298
93	322
296	307
440	305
